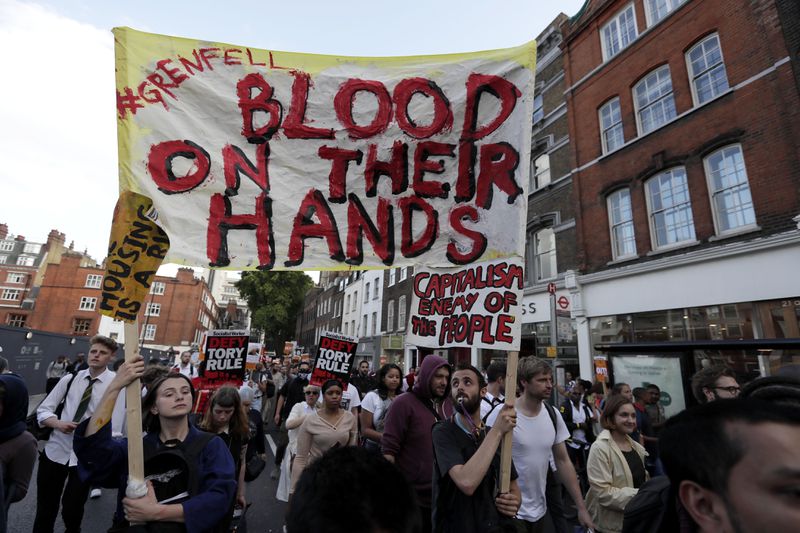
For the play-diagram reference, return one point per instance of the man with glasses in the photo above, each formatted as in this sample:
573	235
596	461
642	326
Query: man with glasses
715	383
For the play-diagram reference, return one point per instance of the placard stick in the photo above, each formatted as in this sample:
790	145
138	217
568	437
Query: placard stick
133	409
511	396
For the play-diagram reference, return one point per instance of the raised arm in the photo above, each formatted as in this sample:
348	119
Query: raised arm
468	477
127	372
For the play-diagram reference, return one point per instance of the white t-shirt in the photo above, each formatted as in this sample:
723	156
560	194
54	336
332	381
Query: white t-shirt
190	371
350	398
534	438
373	403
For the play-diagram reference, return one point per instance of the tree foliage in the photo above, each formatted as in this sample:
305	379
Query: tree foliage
275	299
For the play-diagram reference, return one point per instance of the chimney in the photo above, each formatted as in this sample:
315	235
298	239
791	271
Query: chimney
55	237
3	231
20	238
185	274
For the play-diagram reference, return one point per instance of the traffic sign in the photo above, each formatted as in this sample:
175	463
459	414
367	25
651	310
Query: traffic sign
552	351
551	288
563	302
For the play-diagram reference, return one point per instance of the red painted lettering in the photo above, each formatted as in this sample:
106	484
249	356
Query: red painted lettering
343	105
160	165
477	85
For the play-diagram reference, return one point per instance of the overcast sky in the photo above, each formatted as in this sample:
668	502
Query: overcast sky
58	154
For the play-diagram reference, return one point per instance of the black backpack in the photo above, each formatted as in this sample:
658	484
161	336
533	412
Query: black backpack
175	477
44	432
652	509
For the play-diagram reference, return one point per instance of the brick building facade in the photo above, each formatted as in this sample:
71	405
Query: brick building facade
68	297
177	311
551	244
684	118
20	262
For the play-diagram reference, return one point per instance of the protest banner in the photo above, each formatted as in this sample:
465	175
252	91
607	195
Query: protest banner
477	305
334	358
222	363
372	162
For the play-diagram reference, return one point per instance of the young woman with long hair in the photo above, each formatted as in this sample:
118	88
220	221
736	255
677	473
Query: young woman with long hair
376	404
615	466
165	410
329	427
225	417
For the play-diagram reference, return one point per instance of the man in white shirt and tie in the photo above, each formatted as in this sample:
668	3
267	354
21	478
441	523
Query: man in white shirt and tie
57	464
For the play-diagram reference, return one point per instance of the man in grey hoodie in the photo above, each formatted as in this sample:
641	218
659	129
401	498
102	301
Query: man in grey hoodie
407	439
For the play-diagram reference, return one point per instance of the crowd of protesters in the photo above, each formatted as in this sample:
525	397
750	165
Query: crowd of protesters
406	453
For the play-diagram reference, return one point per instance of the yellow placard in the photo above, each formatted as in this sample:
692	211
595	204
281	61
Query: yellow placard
136	248
552	352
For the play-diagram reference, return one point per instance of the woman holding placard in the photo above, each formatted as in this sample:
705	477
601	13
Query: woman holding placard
330	427
192	483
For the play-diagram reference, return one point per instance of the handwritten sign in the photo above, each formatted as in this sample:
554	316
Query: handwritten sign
136	249
276	160
478	305
334	358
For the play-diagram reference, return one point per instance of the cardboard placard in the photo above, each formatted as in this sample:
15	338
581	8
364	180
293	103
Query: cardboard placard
334	358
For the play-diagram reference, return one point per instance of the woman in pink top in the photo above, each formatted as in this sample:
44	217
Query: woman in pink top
330	427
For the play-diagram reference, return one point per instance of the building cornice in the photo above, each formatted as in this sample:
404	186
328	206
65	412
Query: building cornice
722	251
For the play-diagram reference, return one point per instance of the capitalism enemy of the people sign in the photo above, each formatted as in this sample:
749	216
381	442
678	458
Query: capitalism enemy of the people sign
477	305
334	358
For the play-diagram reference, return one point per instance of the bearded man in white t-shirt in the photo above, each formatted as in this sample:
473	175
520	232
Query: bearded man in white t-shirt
540	432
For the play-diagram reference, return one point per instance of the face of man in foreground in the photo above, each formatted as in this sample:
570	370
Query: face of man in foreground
465	389
763	490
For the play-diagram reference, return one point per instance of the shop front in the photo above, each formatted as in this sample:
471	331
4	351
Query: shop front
742	292
392	349
538	310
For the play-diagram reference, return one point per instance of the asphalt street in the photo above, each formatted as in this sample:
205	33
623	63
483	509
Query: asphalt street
265	515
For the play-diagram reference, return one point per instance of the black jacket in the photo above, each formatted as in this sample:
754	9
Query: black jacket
587	427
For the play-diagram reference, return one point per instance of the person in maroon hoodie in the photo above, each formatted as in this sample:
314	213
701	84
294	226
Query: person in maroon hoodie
406	440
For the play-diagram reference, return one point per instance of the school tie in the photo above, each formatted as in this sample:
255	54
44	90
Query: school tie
85	399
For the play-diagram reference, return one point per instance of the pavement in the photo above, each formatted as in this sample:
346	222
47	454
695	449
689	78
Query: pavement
265	515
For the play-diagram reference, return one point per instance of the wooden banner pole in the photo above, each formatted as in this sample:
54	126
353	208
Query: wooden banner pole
133	410
508	438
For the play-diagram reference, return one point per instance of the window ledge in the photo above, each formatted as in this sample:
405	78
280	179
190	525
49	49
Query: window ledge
734	233
622	260
677	246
